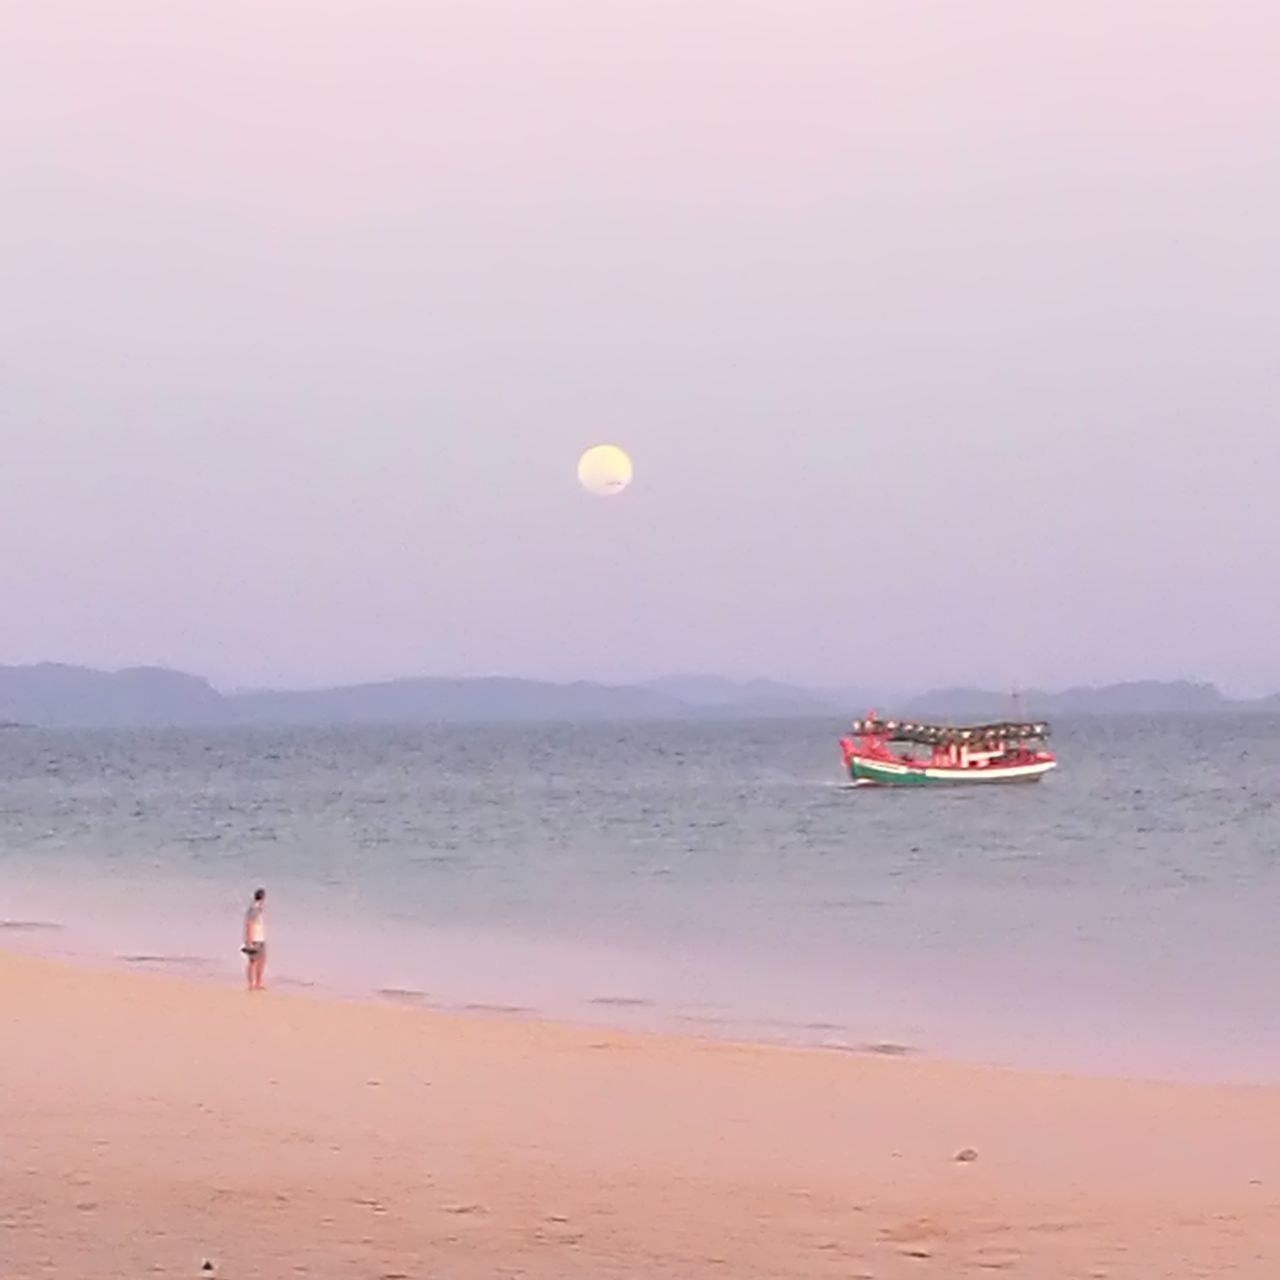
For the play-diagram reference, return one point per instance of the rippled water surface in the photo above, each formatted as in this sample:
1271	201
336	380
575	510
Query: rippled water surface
1119	916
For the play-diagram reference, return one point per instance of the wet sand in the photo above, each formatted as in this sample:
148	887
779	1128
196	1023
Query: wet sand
153	1122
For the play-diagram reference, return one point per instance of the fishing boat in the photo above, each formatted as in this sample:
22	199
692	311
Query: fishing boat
1008	751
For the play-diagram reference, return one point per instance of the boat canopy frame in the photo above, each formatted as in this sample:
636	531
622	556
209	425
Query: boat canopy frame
948	734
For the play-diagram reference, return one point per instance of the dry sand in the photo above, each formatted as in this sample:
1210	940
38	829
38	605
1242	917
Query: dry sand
150	1123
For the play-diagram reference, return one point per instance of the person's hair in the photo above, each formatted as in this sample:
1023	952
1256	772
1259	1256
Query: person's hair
259	894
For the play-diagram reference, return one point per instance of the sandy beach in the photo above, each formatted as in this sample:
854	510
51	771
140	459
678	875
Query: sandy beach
152	1123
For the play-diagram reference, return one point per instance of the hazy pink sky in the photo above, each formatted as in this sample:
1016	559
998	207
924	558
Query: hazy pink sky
944	337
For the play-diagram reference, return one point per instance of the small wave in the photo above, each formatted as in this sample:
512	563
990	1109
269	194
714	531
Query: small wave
175	962
883	1048
622	1002
785	1024
29	926
707	1020
498	1008
404	995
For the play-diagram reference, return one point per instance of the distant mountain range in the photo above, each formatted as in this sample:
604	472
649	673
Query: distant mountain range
51	695
715	697
1140	697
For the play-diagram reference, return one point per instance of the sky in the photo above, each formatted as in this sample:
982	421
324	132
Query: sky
945	338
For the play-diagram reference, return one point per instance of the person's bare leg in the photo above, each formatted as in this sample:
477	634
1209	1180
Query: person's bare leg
259	968
249	962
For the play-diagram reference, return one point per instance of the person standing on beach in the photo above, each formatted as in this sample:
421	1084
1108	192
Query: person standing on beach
255	940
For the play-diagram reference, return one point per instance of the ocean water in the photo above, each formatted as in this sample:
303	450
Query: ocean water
1119	917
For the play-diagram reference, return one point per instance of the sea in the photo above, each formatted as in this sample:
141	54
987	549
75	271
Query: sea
718	879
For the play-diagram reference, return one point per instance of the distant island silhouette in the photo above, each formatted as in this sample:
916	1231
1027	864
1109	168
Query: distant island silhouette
53	695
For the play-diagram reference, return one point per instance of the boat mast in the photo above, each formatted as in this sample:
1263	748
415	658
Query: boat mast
1015	698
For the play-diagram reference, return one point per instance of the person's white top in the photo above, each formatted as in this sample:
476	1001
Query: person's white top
257	923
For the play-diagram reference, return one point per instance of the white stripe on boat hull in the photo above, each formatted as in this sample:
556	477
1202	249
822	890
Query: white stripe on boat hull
890	771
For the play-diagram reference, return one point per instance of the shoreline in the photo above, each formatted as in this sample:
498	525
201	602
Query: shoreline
198	973
161	1121
629	1009
598	1015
